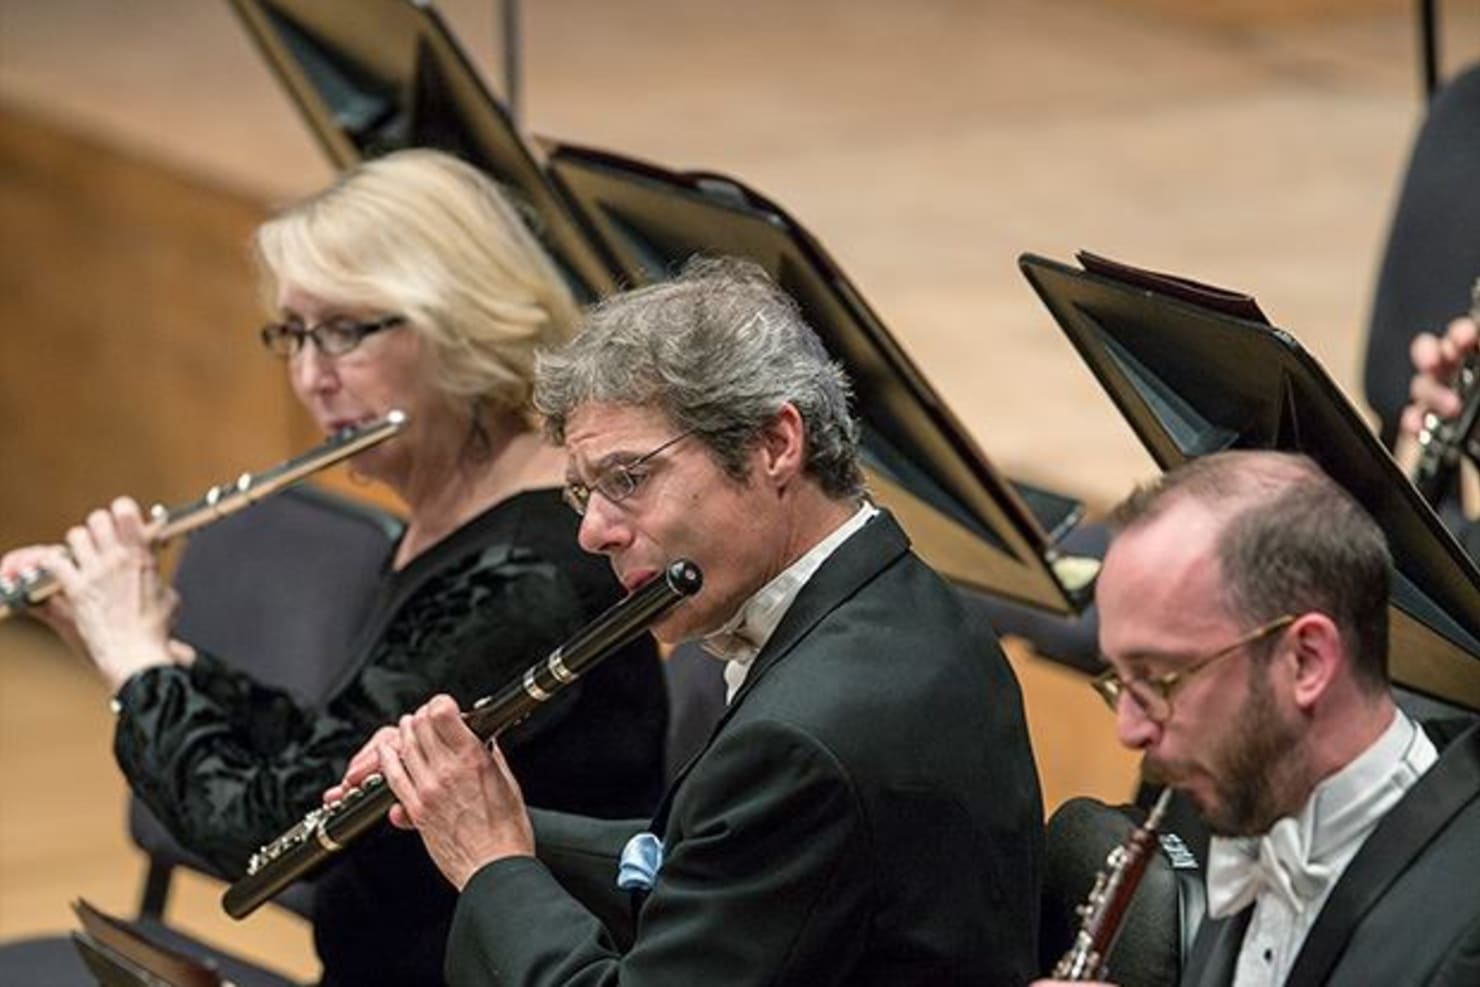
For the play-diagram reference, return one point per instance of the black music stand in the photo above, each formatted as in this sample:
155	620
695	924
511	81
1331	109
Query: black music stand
373	76
966	518
120	954
1193	374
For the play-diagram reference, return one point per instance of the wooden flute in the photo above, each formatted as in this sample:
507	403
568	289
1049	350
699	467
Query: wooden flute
326	830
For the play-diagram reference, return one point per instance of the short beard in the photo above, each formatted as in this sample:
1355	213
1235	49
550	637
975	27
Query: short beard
1258	765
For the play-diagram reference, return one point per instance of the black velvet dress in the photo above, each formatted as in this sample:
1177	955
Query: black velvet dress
228	764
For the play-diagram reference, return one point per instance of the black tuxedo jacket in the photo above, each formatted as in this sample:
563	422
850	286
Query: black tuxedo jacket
866	812
1407	909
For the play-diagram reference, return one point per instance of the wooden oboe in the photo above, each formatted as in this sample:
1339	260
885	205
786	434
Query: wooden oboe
35	586
1444	441
327	830
1103	912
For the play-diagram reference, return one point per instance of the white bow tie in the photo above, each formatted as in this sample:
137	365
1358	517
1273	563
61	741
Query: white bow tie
736	646
1240	869
731	644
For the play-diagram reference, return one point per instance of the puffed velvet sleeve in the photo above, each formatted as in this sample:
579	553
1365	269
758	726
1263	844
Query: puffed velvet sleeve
222	760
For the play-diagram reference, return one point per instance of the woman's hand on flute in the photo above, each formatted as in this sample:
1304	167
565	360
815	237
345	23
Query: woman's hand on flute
55	612
112	605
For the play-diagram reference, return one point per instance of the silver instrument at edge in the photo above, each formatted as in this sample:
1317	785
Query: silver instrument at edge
1443	442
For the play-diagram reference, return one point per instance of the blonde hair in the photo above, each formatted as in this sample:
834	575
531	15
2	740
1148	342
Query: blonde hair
420	233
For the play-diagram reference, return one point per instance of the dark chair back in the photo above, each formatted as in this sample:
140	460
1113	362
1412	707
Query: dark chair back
279	590
282	588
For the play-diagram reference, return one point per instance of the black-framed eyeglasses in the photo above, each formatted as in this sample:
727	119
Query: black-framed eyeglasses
1154	693
333	337
618	481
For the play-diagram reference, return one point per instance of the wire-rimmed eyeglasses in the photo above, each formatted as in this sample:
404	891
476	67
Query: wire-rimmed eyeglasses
617	481
1154	693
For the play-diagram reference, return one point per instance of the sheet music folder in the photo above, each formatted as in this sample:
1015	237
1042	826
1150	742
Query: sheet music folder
373	76
117	955
964	517
1194	376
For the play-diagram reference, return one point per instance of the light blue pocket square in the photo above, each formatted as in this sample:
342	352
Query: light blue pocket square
641	859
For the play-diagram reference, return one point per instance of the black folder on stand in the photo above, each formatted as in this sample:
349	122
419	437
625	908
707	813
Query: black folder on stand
374	76
1195	370
371	76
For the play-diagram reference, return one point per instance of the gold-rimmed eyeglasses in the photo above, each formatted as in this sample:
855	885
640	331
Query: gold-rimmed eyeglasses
1154	693
617	481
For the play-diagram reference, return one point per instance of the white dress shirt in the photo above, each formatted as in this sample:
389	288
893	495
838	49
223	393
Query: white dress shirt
739	639
1289	872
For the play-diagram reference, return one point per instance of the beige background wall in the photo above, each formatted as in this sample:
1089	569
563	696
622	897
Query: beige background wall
1255	144
927	144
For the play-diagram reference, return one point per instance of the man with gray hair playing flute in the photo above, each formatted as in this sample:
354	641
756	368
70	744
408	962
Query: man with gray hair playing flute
867	810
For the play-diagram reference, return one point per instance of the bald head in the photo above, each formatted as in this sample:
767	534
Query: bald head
1225	483
1282	537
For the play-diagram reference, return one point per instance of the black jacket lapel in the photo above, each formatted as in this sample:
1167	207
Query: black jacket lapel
871	550
1401	836
1215	951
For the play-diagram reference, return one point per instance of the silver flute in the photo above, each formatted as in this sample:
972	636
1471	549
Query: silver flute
34	586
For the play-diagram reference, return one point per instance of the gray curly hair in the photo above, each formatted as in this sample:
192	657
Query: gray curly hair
720	348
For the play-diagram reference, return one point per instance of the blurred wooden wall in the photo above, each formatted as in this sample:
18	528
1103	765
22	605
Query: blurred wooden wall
128	352
131	365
